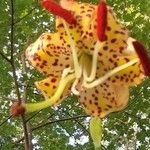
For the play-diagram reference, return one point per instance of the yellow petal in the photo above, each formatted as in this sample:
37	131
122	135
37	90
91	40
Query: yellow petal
49	86
113	94
130	76
49	54
85	31
104	98
31	107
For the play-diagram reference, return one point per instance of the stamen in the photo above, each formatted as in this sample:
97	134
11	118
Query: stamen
56	9
101	20
31	107
144	58
67	71
73	88
109	74
97	48
77	67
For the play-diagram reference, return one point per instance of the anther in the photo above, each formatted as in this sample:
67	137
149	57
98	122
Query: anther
56	9
144	58
101	21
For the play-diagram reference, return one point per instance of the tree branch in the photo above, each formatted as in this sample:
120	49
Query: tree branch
81	125
20	19
14	73
51	122
28	125
30	118
3	56
12	29
60	120
5	120
12	51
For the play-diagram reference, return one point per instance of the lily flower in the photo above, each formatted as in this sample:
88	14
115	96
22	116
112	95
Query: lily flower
90	55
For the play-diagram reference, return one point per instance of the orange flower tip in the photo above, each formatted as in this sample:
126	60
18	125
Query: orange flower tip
101	21
56	9
144	57
17	109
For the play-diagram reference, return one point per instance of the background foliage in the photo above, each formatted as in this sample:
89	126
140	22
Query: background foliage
129	129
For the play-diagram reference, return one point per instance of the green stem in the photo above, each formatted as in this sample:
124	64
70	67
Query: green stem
31	107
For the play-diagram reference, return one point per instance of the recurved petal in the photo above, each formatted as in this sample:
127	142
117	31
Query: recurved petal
113	94
133	74
143	56
49	54
85	31
130	76
49	86
104	99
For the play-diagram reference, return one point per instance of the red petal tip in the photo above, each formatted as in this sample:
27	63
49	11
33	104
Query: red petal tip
56	9
17	109
101	21
144	57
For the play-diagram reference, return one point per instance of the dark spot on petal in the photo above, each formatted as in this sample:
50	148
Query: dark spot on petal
113	40
46	84
53	80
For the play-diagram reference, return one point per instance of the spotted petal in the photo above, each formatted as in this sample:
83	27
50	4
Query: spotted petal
45	56
46	52
49	86
113	94
85	31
